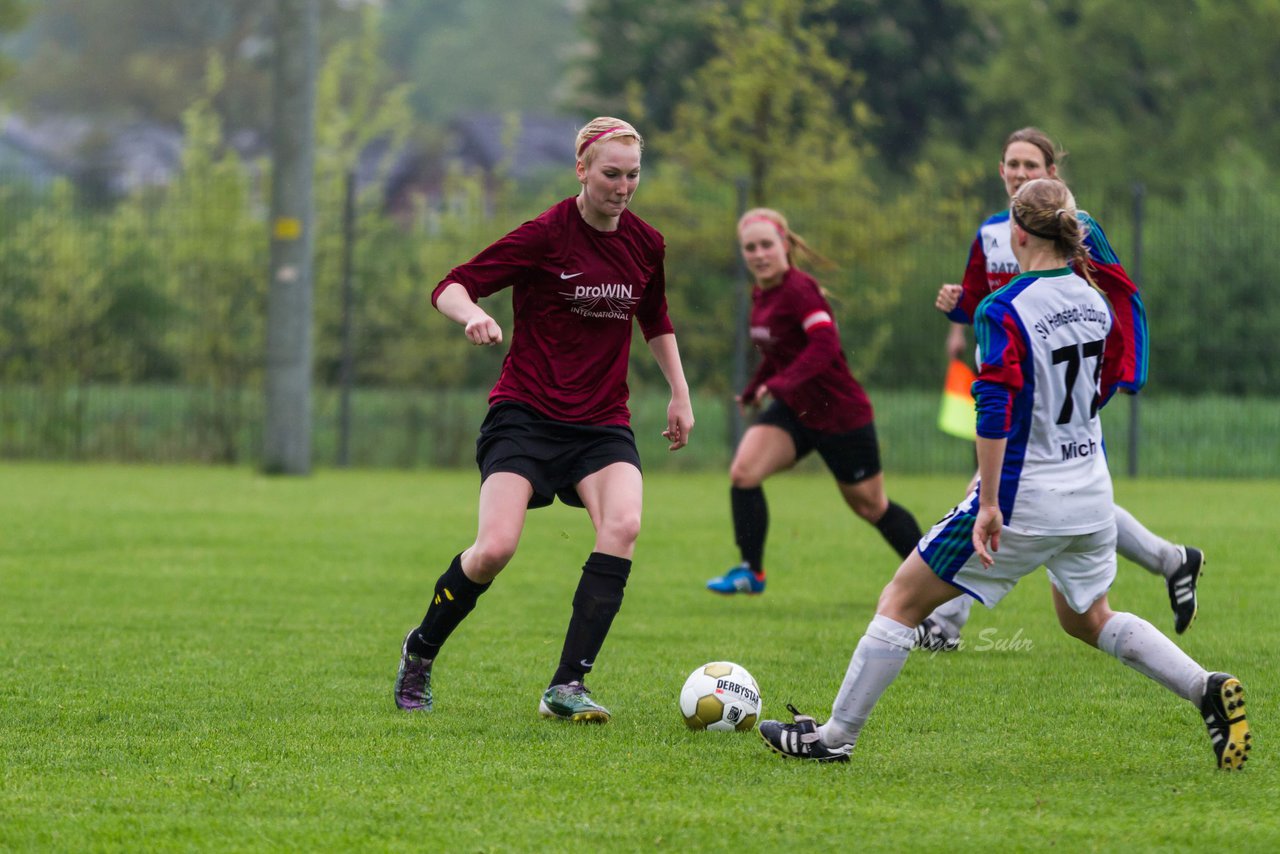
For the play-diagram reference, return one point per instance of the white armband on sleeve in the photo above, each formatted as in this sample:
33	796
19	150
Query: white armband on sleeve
818	318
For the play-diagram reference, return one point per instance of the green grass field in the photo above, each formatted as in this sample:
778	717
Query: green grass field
202	659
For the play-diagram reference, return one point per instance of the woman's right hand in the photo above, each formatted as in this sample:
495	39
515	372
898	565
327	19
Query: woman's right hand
456	304
948	298
747	405
483	329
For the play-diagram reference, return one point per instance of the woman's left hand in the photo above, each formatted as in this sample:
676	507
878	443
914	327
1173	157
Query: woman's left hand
679	423
986	534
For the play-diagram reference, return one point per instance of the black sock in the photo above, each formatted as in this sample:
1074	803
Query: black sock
455	597
598	599
899	528
750	524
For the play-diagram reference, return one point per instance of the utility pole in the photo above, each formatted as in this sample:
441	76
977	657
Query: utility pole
741	335
287	427
346	374
1139	216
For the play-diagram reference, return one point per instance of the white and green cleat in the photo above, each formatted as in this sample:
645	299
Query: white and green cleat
572	702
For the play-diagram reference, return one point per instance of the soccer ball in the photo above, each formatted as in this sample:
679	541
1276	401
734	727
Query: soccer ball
720	696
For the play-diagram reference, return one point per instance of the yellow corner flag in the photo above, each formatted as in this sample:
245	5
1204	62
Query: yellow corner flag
957	417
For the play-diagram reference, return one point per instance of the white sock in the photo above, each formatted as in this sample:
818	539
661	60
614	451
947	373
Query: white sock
954	613
875	663
1141	646
1144	548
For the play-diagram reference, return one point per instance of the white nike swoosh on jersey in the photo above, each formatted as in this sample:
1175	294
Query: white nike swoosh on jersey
569	275
586	664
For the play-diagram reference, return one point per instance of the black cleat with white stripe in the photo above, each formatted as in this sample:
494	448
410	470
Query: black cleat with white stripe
1182	589
933	636
800	740
1223	709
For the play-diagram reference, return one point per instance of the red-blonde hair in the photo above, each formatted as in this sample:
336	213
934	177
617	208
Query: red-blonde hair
601	128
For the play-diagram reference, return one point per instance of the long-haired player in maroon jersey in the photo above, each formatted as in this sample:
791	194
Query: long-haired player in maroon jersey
809	400
558	422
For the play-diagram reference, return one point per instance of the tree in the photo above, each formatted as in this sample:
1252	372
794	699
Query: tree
142	58
764	109
912	56
639	54
357	104
146	59
217	250
765	102
481	54
1134	94
908	57
62	300
13	14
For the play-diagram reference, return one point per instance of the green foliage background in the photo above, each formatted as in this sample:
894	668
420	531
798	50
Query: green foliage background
753	103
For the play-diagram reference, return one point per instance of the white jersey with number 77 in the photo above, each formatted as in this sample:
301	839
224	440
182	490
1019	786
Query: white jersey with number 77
1040	352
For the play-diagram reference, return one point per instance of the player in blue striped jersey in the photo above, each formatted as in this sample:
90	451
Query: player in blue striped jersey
1028	154
1043	497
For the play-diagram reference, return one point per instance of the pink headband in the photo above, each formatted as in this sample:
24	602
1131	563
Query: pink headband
587	144
782	232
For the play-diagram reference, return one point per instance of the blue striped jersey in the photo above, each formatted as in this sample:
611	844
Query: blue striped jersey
1041	341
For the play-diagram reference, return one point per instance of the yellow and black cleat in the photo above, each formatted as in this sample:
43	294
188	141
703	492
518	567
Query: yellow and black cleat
1223	709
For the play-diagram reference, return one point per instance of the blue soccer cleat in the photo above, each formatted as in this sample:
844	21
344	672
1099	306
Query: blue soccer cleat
739	579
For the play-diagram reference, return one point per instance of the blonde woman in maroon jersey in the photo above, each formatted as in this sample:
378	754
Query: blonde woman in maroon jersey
807	400
558	422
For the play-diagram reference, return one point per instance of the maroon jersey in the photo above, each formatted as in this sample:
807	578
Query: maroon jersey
802	362
574	291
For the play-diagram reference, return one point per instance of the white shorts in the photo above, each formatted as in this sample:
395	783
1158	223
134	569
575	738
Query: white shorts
1081	566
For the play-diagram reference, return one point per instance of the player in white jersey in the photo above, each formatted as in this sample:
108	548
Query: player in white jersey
1028	154
1043	498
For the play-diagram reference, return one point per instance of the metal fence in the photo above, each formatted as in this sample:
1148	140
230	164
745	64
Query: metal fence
133	329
